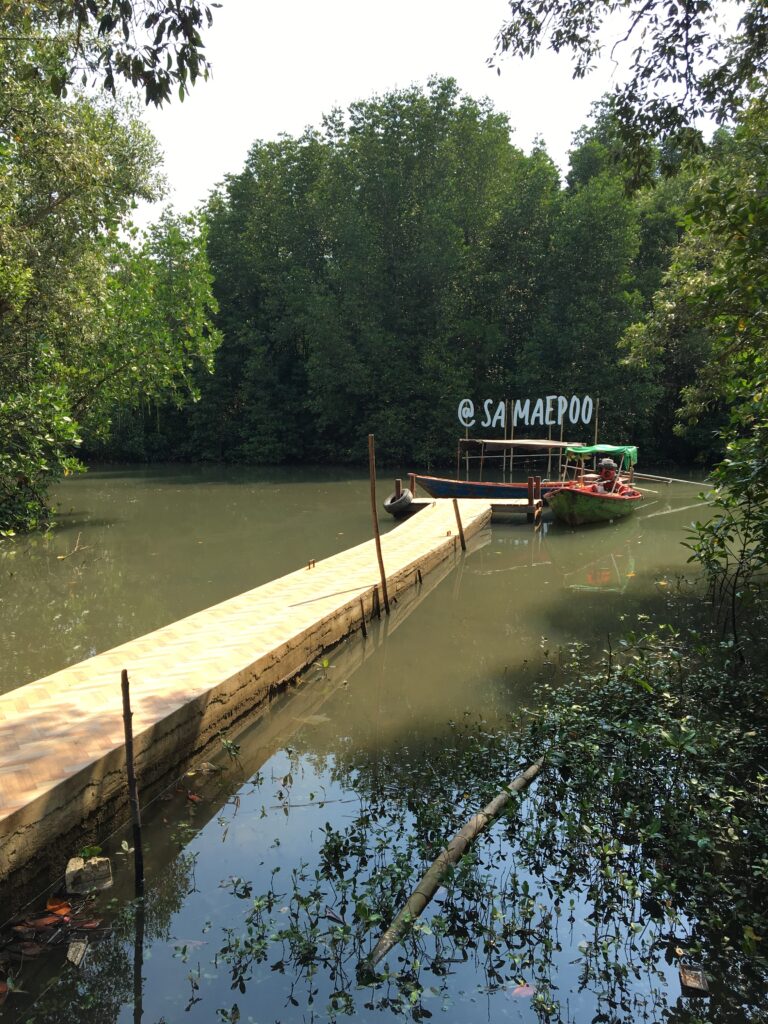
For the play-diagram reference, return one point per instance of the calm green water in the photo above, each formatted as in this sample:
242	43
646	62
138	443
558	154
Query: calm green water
331	786
134	550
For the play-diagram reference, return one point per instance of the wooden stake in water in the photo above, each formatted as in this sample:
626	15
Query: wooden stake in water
376	535
459	524
133	792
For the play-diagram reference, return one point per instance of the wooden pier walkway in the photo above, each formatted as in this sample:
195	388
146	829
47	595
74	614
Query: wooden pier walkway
62	758
501	508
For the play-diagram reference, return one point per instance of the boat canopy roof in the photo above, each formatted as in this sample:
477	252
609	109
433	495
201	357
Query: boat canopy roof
511	442
627	452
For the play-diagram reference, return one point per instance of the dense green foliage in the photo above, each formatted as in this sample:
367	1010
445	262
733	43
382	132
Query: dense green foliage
154	45
711	310
684	59
86	317
373	273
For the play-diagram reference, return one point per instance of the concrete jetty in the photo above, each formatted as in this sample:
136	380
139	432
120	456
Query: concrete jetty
62	763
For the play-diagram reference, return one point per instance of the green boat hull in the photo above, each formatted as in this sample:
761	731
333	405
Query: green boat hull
578	507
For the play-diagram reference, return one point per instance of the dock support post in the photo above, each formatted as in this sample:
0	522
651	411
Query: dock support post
376	535
412	483
133	792
597	418
459	524
507	419
531	495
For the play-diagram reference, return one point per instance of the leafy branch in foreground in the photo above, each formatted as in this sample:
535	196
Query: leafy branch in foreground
155	45
684	63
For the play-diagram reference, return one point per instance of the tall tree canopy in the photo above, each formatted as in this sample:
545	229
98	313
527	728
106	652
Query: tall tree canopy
85	317
403	256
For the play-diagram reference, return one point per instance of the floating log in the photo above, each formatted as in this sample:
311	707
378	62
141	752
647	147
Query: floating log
448	857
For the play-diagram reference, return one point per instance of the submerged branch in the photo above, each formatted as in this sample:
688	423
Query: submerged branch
447	858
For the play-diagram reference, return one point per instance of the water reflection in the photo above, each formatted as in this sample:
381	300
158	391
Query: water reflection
267	889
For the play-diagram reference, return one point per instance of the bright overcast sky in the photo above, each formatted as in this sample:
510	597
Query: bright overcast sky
278	67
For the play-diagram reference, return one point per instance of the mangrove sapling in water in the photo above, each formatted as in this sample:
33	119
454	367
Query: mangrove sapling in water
642	848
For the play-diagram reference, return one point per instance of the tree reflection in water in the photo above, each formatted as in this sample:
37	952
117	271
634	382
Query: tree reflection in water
622	861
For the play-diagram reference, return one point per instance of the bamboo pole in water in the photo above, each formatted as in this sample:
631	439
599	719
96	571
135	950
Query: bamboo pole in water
451	855
671	480
133	791
459	524
374	516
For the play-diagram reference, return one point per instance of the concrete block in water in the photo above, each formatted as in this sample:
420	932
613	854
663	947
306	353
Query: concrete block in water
84	876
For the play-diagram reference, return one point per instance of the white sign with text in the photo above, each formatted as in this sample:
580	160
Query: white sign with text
550	411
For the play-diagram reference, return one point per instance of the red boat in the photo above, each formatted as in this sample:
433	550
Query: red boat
590	498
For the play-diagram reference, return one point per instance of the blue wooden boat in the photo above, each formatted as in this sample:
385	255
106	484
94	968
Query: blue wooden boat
448	487
575	494
531	456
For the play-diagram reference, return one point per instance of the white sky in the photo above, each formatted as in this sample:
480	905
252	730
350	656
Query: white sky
278	67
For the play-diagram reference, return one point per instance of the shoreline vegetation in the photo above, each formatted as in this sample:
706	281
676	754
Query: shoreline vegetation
363	278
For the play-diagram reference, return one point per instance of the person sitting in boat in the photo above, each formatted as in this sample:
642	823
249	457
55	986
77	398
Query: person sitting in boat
607	480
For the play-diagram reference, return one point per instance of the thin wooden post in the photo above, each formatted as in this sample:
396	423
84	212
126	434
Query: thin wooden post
529	515
133	792
549	453
458	523
482	460
507	423
138	963
412	483
398	488
375	518
597	418
560	453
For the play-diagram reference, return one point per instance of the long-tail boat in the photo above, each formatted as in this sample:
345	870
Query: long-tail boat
584	497
523	453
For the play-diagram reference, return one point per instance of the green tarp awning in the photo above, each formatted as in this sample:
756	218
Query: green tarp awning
627	452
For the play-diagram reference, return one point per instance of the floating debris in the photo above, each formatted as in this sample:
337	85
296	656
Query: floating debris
523	990
76	951
693	978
